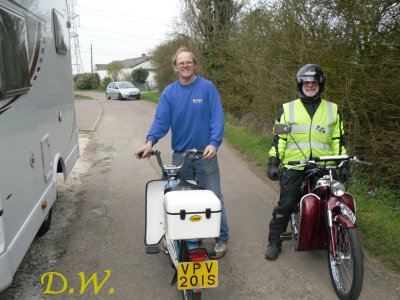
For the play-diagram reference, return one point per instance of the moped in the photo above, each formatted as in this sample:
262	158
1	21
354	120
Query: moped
325	219
179	214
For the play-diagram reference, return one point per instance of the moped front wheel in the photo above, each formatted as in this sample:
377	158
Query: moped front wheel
347	269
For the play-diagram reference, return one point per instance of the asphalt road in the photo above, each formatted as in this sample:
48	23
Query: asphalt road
98	226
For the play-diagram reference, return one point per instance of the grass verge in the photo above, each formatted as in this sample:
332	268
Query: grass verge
81	97
378	221
249	143
150	96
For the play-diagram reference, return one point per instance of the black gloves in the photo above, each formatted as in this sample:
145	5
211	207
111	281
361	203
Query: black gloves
272	168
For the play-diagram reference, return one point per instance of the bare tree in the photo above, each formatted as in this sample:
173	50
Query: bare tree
209	23
114	70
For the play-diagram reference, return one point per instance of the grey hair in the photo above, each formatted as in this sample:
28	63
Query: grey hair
180	50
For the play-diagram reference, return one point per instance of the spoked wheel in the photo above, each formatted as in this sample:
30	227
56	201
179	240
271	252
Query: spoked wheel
347	270
189	294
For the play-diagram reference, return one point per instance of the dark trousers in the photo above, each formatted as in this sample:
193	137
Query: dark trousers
290	194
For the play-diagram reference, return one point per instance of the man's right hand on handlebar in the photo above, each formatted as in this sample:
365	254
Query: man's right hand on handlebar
144	151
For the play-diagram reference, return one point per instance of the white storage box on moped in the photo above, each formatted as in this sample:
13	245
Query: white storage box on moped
192	214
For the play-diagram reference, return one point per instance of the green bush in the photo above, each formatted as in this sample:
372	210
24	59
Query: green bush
105	82
87	81
139	75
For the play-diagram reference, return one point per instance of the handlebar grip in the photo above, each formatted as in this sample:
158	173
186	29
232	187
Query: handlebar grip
294	162
154	152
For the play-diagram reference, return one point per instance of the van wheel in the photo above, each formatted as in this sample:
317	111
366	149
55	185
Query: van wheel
119	96
46	223
108	96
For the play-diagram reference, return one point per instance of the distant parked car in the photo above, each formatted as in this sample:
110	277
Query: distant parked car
122	90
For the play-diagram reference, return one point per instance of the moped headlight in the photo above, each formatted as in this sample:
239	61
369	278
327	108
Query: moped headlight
338	189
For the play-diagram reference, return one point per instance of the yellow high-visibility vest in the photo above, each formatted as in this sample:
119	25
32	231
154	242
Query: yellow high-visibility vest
318	136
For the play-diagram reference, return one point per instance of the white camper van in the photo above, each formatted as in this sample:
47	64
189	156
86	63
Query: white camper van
38	133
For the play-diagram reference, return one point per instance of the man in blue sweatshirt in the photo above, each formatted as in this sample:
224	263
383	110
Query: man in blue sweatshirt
191	108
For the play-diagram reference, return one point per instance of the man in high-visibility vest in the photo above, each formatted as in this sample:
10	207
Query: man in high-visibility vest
316	130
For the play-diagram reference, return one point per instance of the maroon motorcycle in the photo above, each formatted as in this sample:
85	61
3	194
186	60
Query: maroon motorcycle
325	219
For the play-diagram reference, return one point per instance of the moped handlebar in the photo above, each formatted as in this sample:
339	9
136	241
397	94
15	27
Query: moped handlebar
185	154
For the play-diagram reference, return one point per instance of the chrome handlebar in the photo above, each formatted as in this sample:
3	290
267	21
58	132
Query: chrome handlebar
314	162
173	168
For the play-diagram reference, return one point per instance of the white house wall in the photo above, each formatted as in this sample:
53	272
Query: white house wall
145	65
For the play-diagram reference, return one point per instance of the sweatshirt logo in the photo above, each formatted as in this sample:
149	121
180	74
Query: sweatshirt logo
197	101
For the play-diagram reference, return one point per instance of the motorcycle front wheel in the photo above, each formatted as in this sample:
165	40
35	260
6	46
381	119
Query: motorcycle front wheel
347	270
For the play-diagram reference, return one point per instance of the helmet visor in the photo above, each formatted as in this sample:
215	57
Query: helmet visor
308	78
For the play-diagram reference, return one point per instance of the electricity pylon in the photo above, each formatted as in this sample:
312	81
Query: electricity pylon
73	20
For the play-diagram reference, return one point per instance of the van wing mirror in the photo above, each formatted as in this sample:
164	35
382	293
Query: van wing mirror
282	128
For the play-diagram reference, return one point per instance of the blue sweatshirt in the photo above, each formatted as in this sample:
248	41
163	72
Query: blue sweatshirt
194	114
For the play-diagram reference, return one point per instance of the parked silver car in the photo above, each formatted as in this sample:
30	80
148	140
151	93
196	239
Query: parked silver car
122	90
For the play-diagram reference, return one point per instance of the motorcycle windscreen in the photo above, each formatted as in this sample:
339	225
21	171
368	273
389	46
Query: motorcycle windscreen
154	212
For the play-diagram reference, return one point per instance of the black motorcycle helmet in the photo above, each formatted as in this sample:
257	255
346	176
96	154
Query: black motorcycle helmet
310	72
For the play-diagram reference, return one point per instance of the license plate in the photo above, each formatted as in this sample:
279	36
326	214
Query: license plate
202	274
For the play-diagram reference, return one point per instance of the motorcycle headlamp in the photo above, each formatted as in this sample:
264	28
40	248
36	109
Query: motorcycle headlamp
338	189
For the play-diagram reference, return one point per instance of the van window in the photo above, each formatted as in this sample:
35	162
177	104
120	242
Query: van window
14	62
60	33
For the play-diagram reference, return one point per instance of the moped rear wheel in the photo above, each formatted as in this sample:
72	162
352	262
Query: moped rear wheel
347	270
189	294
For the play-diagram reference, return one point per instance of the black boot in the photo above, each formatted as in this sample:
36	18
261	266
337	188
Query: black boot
273	251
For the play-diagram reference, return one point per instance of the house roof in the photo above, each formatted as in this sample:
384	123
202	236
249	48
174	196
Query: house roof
126	63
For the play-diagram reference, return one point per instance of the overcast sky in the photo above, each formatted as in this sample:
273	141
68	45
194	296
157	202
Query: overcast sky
121	29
